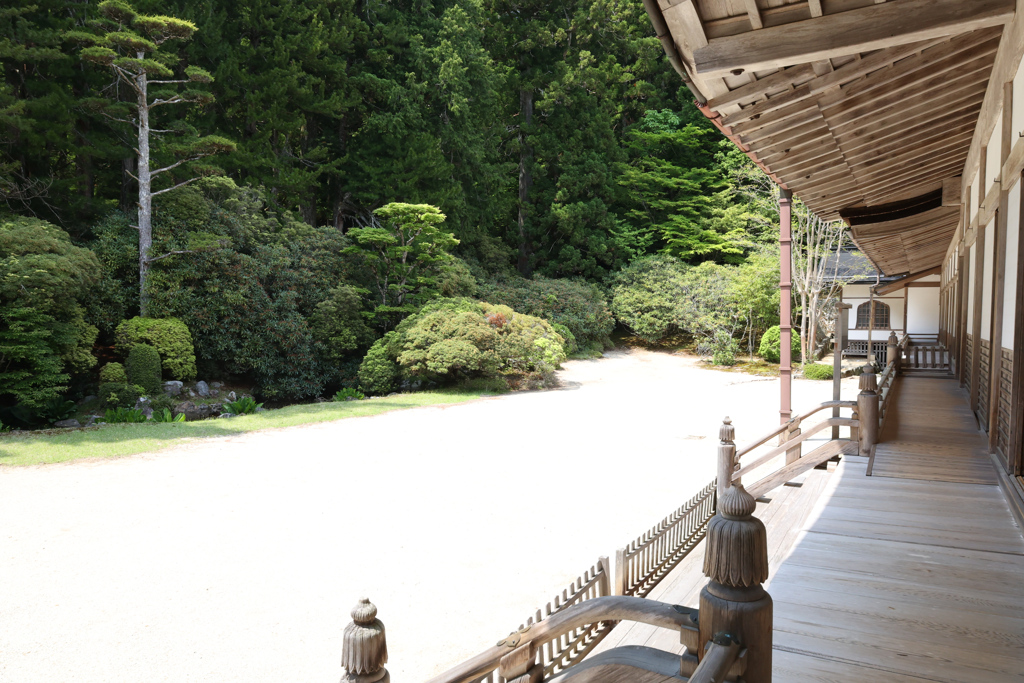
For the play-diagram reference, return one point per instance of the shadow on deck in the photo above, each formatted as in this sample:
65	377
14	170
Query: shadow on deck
913	574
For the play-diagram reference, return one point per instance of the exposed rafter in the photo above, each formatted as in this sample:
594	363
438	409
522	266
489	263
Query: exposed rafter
865	29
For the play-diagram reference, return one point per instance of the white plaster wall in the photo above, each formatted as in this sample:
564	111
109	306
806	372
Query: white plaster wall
1012	241
992	165
923	310
971	269
855	295
986	282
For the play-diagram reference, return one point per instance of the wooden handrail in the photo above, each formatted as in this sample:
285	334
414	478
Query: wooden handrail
718	662
779	450
616	608
791	423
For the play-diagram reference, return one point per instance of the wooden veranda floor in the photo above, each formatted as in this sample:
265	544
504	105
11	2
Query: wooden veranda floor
913	576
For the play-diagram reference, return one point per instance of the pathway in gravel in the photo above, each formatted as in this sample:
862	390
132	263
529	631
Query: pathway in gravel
238	559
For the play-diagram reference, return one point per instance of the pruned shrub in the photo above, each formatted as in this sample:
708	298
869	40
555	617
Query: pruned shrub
169	336
770	344
452	340
818	371
143	368
120	395
113	373
579	306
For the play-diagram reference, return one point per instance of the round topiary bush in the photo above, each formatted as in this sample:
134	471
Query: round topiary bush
818	371
769	349
169	336
113	373
143	368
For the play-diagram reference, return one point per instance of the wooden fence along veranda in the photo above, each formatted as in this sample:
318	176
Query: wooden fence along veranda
569	627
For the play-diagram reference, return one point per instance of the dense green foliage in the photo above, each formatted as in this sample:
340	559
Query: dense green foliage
244	405
771	343
543	158
121	415
120	395
451	340
818	371
113	373
143	368
579	306
169	336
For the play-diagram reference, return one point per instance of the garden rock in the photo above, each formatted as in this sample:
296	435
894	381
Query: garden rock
227	414
216	385
231	396
194	411
173	388
144	405
67	424
203	389
92	420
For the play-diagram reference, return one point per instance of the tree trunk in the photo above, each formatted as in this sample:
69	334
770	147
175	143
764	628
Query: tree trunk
525	176
145	192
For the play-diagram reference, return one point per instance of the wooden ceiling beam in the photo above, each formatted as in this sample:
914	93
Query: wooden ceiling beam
754	14
947	73
931	118
750	92
915	116
812	117
950	144
874	27
928	62
965	116
871	63
941	88
920	139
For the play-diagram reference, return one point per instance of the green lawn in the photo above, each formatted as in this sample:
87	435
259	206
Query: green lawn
128	439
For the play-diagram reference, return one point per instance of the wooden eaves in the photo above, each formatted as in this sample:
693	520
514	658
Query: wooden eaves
851	104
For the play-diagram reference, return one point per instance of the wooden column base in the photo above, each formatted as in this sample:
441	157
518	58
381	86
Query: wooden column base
746	615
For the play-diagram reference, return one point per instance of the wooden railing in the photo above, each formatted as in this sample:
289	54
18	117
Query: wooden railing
568	646
791	436
935	357
569	627
646	560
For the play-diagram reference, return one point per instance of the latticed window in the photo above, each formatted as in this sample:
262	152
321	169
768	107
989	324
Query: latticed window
881	316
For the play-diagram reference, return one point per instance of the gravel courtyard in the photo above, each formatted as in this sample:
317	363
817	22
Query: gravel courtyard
239	559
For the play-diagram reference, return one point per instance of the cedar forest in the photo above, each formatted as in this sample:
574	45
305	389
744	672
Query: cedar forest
357	195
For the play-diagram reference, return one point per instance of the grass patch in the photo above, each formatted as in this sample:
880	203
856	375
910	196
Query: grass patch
128	439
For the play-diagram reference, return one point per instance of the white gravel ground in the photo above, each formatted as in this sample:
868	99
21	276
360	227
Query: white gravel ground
238	559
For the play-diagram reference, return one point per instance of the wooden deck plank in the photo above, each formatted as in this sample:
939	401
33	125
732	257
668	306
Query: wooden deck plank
916	576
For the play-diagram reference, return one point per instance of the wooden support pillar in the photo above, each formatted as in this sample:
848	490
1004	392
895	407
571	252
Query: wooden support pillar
867	410
733	602
1015	454
979	271
786	304
962	322
840	334
364	650
891	349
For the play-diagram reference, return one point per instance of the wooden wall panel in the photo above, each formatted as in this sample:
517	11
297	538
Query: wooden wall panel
1005	402
984	368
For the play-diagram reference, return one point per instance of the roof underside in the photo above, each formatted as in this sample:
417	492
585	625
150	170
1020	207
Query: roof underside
848	103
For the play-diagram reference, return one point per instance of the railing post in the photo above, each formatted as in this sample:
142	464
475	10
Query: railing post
364	650
793	431
736	562
726	456
867	410
892	353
